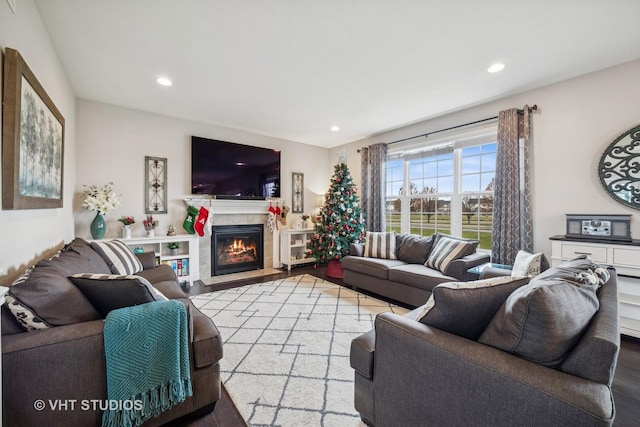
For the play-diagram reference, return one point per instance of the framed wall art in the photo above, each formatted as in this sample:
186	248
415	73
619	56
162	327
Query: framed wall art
297	191
155	181
32	140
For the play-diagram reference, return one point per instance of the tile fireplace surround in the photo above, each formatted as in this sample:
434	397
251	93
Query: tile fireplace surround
235	212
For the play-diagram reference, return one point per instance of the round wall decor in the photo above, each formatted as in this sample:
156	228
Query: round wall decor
619	168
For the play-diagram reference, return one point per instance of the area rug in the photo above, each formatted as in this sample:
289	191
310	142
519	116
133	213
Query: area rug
286	348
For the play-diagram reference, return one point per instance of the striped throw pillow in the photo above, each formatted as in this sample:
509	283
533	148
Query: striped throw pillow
380	245
118	256
448	249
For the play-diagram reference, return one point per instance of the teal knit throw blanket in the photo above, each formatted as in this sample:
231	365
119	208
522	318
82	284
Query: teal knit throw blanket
147	355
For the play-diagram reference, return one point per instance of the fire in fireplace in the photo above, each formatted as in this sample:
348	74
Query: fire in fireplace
236	248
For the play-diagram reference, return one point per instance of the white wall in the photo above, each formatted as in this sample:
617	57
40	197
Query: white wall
576	120
27	234
112	144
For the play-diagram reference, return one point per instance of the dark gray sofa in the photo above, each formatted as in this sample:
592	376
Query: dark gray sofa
405	279
66	362
408	373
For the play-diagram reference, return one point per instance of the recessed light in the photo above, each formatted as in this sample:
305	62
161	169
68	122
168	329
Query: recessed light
164	81
494	68
335	128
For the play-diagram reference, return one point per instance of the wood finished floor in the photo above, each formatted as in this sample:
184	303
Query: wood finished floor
626	384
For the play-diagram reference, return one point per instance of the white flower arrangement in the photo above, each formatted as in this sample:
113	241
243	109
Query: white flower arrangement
103	199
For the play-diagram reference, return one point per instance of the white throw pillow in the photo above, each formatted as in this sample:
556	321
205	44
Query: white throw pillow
527	264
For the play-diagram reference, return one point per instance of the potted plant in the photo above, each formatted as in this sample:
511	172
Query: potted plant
127	225
173	248
150	225
102	200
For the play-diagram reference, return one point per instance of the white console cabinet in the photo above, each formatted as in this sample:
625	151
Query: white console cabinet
293	247
186	262
624	257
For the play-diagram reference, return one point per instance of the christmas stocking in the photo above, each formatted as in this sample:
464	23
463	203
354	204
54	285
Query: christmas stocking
192	213
201	221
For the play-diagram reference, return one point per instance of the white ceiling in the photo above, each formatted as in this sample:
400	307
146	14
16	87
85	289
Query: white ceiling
293	68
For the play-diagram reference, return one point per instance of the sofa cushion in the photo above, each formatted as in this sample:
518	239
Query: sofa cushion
543	320
527	264
46	297
466	308
376	267
447	249
413	249
109	291
418	276
94	262
118	256
380	245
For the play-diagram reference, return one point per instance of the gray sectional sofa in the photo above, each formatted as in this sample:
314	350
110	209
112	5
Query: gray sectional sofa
546	358
407	279
63	359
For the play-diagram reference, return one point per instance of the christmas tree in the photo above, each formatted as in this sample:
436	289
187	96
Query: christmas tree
340	221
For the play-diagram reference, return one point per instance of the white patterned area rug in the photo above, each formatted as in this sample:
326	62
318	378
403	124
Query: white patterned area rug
286	348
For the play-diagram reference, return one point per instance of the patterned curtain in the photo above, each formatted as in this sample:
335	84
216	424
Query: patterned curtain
373	186
512	217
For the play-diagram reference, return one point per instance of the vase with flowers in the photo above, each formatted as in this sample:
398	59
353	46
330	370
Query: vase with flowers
127	225
150	225
102	200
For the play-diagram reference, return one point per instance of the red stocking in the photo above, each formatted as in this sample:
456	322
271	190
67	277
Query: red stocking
201	221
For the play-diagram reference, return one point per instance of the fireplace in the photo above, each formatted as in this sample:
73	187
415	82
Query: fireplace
236	248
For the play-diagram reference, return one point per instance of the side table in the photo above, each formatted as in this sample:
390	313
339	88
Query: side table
474	272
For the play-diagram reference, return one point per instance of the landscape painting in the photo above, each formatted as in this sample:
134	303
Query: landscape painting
33	141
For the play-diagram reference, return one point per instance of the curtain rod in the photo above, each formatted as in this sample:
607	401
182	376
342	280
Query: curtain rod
426	135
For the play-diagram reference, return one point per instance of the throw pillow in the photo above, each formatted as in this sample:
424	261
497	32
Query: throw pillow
414	249
447	249
44	296
527	264
118	256
380	245
108	292
466	308
543	320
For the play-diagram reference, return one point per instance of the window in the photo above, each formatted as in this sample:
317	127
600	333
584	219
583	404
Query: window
445	186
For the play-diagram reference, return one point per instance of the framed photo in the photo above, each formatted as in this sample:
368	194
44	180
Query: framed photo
155	182
297	192
32	140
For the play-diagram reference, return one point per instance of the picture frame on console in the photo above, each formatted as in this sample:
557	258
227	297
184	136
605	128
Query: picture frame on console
297	192
32	140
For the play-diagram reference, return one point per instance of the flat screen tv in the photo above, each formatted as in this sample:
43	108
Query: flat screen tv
230	170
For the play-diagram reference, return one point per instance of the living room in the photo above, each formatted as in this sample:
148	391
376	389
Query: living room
577	118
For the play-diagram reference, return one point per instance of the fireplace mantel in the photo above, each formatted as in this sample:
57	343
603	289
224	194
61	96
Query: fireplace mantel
228	206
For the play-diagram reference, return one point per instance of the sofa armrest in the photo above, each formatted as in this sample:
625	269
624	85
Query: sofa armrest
148	260
458	267
64	363
490	272
488	386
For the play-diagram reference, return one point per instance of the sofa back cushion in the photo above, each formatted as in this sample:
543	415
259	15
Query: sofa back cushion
380	245
543	320
466	308
118	256
448	248
45	297
413	249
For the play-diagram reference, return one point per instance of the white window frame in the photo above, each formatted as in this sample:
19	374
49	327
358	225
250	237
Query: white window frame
457	140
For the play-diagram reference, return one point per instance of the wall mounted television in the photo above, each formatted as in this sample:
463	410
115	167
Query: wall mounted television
228	170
